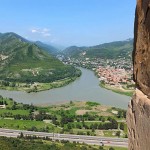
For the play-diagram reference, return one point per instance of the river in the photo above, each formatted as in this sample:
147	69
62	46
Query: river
85	88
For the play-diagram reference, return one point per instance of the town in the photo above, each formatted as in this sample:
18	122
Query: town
114	74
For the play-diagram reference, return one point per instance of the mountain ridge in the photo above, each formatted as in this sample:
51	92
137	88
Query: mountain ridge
24	61
106	50
50	49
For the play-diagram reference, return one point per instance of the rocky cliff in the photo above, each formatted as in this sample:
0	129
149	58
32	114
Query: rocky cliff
138	115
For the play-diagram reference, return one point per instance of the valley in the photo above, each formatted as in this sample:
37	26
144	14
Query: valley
71	74
111	62
86	87
25	66
34	67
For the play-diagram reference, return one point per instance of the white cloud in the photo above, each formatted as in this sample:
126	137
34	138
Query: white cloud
46	30
46	34
41	34
42	31
33	31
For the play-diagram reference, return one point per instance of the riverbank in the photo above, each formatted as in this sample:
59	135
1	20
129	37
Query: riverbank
121	91
117	90
37	87
84	88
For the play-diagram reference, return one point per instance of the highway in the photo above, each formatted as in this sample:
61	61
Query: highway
107	141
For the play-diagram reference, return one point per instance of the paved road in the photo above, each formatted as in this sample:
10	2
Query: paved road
120	142
119	121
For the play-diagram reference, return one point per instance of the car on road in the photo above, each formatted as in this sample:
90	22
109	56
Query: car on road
101	143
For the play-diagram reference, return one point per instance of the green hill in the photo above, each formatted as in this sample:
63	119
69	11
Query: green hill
110	50
23	61
74	51
50	49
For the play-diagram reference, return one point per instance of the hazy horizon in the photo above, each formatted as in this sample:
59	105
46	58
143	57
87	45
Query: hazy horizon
67	23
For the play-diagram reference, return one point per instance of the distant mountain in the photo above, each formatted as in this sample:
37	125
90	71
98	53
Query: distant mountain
74	51
23	61
12	35
110	50
50	49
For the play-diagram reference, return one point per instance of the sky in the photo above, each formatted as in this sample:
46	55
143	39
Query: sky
69	22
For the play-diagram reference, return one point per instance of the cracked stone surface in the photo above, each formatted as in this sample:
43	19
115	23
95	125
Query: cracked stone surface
138	120
141	53
138	114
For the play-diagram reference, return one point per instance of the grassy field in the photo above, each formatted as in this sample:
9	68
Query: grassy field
70	118
39	86
14	112
117	90
27	124
88	118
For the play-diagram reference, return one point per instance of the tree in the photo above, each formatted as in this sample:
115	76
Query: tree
17	117
103	119
21	135
13	107
118	133
124	113
122	126
88	132
71	102
1	97
78	126
114	124
111	148
13	84
93	130
69	126
119	114
101	148
1	102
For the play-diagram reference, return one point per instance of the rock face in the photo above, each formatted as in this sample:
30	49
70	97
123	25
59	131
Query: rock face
141	53
138	115
138	120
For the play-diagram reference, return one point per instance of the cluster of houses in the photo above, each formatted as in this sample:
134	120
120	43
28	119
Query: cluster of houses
2	106
113	76
115	72
3	57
